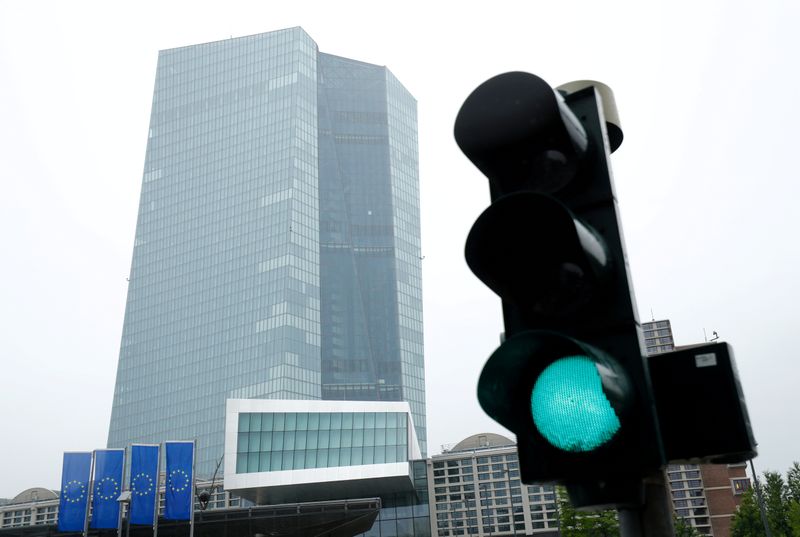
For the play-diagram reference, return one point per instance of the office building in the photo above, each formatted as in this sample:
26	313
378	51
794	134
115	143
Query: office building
290	451
475	489
658	337
277	249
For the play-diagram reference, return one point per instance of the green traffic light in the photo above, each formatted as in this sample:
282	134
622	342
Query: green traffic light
570	408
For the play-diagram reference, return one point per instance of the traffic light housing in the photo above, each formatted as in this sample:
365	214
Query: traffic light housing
569	378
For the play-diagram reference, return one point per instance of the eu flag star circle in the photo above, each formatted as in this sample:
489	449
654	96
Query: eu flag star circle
74	491
178	480
107	488
142	484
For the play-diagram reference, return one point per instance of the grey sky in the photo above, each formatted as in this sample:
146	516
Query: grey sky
706	178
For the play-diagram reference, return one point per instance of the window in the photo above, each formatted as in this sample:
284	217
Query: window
740	485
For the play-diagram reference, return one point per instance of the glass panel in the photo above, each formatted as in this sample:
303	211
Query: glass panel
336	420
333	457
300	440
347	420
243	443
278	422
347	438
313	421
357	456
358	420
288	441
277	441
311	458
241	463
291	422
388	528
358	437
302	421
369	420
380	455
277	460
380	420
252	462
264	461
255	440
380	437
299	459
244	423
266	441
322	458
311	439
266	422
324	439
369	455
255	422
324	421
405	527
288	460
391	419
344	457
336	438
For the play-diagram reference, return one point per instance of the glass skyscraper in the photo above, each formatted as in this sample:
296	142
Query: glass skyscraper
277	250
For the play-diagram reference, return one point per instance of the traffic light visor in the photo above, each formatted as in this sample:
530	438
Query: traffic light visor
529	249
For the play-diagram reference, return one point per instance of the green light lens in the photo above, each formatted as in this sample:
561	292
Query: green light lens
570	408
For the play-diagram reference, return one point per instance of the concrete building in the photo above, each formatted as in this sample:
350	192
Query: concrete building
475	490
277	249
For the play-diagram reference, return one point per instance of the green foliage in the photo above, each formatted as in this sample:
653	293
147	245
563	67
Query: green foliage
573	523
793	482
775	501
747	519
683	528
794	517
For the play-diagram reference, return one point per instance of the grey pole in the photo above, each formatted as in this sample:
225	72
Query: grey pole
654	519
191	506
760	500
158	493
89	496
122	486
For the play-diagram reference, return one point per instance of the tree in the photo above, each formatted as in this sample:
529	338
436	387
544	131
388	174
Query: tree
793	482
775	501
683	528
794	517
573	523
747	519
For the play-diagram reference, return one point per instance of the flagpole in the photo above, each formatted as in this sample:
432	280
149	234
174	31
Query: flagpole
158	480
191	505
89	495
122	487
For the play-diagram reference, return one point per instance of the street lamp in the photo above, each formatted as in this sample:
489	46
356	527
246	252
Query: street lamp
124	500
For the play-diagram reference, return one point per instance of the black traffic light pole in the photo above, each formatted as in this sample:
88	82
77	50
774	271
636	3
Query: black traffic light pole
570	379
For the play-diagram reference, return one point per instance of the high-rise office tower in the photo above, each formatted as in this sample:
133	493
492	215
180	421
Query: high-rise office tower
277	250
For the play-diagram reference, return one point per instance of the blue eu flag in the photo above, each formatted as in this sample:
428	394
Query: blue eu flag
144	483
74	491
108	465
179	490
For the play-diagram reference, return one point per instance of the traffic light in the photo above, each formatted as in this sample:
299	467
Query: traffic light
569	378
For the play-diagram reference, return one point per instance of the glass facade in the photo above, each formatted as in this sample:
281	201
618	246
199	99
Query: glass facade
258	154
371	291
302	440
405	514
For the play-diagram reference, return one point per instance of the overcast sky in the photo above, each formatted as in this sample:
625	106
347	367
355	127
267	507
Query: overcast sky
707	183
